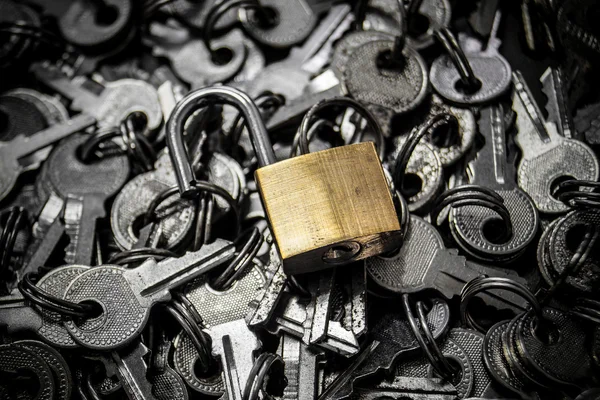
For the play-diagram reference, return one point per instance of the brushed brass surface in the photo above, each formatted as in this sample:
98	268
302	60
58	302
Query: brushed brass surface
327	198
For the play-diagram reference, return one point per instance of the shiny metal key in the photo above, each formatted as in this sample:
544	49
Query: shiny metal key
301	368
116	99
131	369
478	230
233	343
14	151
291	75
17	315
126	295
547	157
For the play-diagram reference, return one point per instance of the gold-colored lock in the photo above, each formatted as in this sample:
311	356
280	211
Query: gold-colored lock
325	209
330	207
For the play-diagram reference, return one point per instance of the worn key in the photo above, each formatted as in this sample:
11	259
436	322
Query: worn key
17	315
85	187
290	76
223	313
390	338
301	369
547	157
14	151
131	368
478	229
115	101
424	263
126	295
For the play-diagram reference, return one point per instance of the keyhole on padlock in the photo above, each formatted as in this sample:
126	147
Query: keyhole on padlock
341	252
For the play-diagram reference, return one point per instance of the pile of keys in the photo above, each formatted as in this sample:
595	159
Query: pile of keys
299	199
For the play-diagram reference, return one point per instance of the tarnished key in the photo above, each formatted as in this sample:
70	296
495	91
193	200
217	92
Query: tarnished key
301	369
291	75
14	151
132	369
554	87
18	316
424	263
233	342
479	230
547	157
126	295
85	187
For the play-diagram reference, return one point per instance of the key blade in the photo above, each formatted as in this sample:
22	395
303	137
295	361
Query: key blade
553	86
159	278
529	117
22	146
131	369
324	30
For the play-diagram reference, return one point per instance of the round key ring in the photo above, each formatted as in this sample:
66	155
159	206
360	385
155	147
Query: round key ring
482	284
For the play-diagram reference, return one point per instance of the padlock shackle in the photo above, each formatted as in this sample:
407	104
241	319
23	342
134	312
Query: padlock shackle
200	98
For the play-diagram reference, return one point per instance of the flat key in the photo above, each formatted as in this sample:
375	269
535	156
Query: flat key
116	100
547	157
390	338
18	316
131	369
301	369
85	187
12	152
290	76
424	263
126	295
492	169
557	107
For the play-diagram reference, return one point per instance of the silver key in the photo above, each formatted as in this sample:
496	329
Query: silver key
116	100
193	62
437	13
18	316
126	295
301	369
554	87
131	369
290	76
12	152
472	226
547	157
488	65
85	187
223	313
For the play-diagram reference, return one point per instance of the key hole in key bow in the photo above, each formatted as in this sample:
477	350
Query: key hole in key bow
411	185
463	88
546	332
222	56
24	383
557	181
418	25
574	236
494	231
213	370
106	15
96	308
458	373
446	134
267	17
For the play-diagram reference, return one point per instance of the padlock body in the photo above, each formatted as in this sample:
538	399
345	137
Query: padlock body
332	202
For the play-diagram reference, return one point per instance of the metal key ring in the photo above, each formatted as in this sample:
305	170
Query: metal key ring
307	121
201	186
263	364
240	262
219	10
17	217
458	57
463	192
427	343
482	284
199	339
409	146
141	254
197	99
53	303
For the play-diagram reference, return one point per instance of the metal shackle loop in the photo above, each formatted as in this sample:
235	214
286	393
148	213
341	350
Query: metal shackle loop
200	98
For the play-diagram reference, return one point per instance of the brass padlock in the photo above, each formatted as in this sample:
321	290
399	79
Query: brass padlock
325	209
